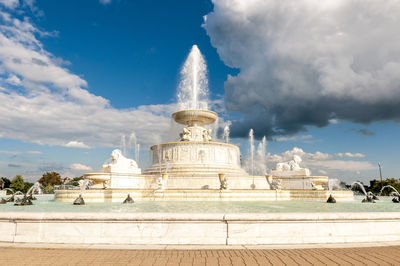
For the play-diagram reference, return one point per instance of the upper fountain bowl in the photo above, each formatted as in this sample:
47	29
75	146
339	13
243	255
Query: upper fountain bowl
195	117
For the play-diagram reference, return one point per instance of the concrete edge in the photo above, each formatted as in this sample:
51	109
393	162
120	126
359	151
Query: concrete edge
211	217
197	247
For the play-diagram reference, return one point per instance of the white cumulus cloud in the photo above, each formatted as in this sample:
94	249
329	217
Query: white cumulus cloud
323	172
10	3
323	162
351	155
80	167
294	138
76	144
342	165
14	80
105	2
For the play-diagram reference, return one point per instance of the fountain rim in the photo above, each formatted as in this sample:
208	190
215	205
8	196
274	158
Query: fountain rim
200	116
193	142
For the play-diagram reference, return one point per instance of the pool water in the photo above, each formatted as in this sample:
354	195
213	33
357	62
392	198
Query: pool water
46	203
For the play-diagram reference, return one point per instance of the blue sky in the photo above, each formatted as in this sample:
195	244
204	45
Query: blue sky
131	46
75	76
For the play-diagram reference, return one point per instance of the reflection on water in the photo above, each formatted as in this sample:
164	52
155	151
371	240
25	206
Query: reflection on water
47	204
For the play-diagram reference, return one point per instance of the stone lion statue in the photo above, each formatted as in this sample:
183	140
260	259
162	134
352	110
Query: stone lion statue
292	165
290	168
121	164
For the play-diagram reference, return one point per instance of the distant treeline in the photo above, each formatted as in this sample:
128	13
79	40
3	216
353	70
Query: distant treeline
48	181
375	186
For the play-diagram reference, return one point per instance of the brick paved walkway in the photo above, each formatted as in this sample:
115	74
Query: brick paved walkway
319	256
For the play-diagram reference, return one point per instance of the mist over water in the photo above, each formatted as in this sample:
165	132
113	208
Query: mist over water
123	145
132	144
225	135
193	87
130	147
261	157
251	142
256	161
333	184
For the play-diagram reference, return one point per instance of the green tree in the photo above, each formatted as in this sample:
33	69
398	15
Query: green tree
376	186
17	183
52	178
49	189
27	186
75	181
7	182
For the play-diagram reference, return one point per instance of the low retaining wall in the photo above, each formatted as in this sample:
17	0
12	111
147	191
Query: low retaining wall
208	229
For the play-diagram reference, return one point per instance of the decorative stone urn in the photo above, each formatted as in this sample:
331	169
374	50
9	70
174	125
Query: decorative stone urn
223	181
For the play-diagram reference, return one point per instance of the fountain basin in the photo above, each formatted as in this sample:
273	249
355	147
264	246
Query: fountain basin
196	228
193	222
210	195
195	117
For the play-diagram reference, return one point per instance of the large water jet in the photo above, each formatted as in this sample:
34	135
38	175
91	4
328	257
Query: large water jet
193	87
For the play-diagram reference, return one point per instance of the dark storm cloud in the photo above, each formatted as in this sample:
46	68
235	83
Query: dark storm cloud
303	63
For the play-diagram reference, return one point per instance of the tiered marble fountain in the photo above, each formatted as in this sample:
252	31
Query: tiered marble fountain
197	167
196	161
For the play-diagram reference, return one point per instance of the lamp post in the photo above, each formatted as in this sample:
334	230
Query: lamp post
380	171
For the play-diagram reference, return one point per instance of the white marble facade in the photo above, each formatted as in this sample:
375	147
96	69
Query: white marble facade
173	156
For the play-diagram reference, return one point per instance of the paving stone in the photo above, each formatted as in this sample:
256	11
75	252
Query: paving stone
320	256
